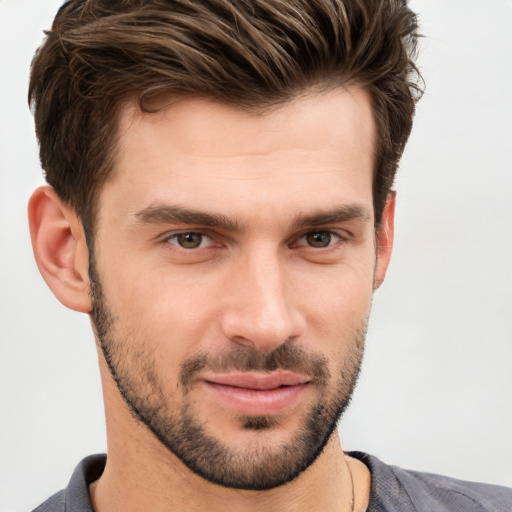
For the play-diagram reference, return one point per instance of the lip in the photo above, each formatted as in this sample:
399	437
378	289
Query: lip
257	393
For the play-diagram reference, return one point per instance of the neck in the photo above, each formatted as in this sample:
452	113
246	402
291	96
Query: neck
141	474
136	480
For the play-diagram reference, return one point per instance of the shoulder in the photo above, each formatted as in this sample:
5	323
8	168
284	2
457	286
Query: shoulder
55	503
453	494
75	498
394	488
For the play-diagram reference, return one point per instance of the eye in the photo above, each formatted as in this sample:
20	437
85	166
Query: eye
190	240
319	239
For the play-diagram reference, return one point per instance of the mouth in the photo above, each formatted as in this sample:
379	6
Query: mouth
257	393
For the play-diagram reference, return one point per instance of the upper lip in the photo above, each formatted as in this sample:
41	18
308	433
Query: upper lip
258	381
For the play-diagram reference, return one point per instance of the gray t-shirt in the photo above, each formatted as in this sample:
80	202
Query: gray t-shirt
392	490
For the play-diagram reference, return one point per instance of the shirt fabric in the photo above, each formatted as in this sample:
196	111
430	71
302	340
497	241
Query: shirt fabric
392	490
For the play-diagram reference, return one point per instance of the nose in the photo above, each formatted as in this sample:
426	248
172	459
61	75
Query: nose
261	311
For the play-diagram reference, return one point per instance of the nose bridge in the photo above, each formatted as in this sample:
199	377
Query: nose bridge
261	313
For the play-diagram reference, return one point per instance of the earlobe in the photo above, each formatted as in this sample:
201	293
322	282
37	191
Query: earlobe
384	235
60	248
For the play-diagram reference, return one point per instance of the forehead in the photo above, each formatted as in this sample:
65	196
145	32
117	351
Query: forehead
203	152
202	124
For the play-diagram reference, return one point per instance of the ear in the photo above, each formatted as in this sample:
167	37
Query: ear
60	248
384	239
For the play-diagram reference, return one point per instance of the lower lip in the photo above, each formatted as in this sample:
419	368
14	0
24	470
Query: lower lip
257	402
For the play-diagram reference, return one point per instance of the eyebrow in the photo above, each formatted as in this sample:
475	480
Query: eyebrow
168	214
342	214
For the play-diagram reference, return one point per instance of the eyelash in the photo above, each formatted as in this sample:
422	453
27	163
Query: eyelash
338	237
184	233
332	235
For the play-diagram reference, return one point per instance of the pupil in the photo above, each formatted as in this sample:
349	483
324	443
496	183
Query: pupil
319	239
190	240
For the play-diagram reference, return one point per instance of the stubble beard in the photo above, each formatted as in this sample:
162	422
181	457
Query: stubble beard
181	431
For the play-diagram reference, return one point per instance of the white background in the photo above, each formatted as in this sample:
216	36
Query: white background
436	389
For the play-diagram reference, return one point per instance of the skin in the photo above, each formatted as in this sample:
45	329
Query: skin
258	286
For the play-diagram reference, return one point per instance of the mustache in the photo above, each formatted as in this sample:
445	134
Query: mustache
246	359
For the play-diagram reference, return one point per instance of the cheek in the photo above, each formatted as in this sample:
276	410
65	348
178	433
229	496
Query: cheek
336	303
170	310
176	310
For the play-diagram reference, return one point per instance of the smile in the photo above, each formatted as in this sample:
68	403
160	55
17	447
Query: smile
257	394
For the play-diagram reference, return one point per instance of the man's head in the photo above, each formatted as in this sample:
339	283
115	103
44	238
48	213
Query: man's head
233	162
247	54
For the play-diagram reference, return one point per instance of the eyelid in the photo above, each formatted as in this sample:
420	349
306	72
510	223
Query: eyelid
180	231
340	234
199	231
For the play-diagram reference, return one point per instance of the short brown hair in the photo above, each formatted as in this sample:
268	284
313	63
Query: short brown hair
246	53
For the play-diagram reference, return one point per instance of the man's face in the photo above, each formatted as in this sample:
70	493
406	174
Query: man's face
233	276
